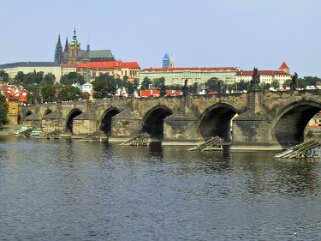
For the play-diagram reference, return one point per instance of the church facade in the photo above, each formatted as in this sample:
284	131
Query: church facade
73	54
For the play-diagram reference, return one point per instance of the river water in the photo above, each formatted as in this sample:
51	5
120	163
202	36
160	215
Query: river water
71	190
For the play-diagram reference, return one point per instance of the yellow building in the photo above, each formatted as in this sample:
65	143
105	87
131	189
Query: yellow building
13	111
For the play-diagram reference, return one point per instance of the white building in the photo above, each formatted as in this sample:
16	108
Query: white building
266	76
12	69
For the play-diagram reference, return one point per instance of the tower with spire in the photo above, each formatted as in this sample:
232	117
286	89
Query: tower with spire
58	52
66	46
284	67
73	49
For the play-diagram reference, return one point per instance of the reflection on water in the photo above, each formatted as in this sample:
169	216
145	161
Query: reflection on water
71	190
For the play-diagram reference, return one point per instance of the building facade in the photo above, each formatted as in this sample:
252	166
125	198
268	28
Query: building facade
266	76
229	75
28	67
117	69
177	76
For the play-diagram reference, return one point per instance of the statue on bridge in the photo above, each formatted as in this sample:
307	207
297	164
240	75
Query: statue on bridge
185	88
294	81
254	83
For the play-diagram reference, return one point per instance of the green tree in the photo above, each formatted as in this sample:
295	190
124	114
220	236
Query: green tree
242	85
49	78
20	77
104	85
214	84
72	78
265	86
33	93
4	76
194	89
158	83
275	84
69	93
48	92
3	111
145	84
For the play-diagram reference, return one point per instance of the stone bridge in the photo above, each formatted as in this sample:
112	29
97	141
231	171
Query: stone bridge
247	121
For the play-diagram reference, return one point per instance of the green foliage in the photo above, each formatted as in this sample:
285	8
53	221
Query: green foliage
48	92
275	84
34	78
33	94
72	78
145	84
4	76
158	83
194	89
214	84
20	76
49	78
242	85
69	93
304	82
265	86
104	85
3	111
287	83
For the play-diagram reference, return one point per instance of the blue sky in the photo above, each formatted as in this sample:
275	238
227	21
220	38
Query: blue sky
198	33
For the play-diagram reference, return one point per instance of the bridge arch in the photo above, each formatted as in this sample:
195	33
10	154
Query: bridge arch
69	121
48	111
29	112
153	121
289	124
105	123
216	121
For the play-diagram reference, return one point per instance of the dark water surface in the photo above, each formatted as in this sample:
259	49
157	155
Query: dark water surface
70	190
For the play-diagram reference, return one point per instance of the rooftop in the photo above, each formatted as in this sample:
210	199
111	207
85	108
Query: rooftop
189	69
262	72
109	65
29	64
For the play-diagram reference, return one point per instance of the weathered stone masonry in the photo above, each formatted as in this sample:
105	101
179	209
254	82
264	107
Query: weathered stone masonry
264	121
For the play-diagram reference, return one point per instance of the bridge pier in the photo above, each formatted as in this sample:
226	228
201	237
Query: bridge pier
181	129
125	125
251	129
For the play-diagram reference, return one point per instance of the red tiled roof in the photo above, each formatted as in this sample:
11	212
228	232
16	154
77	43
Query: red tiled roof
189	69
109	65
284	66
262	72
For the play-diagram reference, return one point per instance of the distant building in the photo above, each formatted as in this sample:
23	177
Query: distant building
73	54
171	62
177	76
27	67
14	95
266	76
165	61
87	87
114	68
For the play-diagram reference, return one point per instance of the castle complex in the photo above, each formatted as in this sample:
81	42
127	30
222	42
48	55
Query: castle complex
73	54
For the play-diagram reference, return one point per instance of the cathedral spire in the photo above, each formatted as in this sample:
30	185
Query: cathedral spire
58	52
74	40
66	45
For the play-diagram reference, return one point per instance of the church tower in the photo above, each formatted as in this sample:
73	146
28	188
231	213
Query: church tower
66	46
73	49
58	52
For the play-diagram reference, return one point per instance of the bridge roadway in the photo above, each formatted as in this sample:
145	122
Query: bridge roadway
260	121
